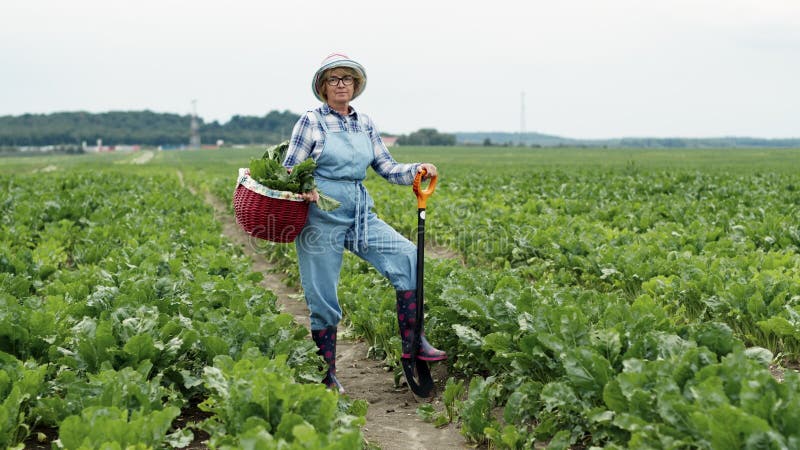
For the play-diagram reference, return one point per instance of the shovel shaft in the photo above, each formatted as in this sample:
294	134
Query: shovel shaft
417	372
420	251
420	279
422	198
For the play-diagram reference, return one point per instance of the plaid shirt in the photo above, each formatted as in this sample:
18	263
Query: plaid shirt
308	139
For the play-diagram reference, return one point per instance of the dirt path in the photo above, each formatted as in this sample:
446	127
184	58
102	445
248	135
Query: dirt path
392	422
49	168
144	157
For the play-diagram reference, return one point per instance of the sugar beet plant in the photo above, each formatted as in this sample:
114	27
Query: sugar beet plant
121	305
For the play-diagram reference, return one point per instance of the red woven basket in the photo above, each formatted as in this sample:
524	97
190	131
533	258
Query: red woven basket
269	218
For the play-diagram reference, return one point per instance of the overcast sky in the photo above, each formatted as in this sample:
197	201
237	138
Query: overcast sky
588	68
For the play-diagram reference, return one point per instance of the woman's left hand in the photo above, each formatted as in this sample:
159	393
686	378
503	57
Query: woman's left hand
430	170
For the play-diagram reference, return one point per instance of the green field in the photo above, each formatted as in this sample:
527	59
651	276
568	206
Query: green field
600	297
506	157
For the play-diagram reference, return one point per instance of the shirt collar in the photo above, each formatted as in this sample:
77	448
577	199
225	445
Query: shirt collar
326	109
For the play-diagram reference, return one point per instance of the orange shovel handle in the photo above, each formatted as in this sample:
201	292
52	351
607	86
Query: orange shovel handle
423	194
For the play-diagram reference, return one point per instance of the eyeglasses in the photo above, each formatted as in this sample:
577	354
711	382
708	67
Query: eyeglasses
347	80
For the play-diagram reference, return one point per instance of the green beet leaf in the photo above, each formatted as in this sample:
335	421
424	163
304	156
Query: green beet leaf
96	427
587	371
326	202
728	427
140	348
717	336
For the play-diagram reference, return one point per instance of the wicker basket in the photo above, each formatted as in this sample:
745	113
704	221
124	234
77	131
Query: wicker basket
276	216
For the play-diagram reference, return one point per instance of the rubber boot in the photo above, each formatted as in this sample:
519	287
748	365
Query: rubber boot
326	342
407	319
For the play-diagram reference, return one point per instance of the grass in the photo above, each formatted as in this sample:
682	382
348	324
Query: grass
513	158
470	158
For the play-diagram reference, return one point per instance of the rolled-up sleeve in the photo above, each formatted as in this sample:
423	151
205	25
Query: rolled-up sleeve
384	164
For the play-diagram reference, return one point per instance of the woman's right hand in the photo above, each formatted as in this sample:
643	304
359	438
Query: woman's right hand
310	196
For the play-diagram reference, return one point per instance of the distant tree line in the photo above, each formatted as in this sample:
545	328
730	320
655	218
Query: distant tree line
140	128
427	136
531	139
165	129
69	130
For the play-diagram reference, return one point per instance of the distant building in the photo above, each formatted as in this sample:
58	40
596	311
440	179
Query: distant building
389	141
126	148
98	148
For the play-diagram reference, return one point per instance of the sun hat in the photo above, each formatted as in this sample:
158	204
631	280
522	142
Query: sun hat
339	60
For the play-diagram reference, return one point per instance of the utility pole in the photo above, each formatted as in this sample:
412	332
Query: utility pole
194	136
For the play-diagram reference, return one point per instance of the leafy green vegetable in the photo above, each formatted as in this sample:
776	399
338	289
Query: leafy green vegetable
476	410
113	427
453	392
326	202
257	400
270	172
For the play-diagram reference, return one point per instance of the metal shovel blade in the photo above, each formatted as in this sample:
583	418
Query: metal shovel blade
418	376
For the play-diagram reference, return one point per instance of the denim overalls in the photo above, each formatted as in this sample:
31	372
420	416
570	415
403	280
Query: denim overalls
341	167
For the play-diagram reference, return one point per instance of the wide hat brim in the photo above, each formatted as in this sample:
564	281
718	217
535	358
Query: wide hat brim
340	63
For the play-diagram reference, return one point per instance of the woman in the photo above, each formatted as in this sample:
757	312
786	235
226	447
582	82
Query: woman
344	143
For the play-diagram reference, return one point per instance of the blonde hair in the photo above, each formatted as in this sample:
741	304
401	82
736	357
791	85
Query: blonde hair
357	80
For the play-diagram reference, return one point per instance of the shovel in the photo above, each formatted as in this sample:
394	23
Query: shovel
417	372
